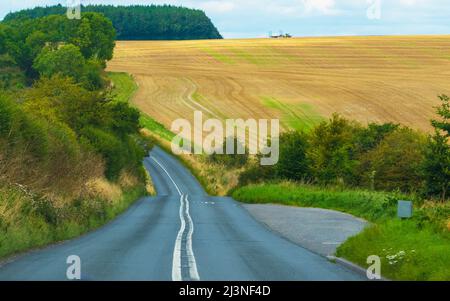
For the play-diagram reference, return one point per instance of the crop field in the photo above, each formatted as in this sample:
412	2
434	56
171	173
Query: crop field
300	81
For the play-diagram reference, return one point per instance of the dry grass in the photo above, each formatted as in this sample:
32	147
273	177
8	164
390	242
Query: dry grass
370	79
216	179
103	189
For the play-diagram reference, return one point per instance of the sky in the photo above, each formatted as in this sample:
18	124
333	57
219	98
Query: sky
257	18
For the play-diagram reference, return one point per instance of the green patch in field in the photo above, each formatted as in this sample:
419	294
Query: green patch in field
124	89
219	56
298	117
124	86
248	57
156	127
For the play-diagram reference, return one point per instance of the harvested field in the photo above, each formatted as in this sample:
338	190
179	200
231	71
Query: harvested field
300	81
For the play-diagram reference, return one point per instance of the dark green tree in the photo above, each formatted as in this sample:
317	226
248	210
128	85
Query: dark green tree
139	22
293	163
444	112
67	60
437	159
437	166
332	151
396	162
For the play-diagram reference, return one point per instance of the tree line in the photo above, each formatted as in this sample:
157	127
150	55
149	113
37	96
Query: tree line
345	153
140	22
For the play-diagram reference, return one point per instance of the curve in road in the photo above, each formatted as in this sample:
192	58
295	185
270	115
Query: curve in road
182	234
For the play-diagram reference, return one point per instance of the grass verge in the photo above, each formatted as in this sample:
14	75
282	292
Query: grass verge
415	249
35	223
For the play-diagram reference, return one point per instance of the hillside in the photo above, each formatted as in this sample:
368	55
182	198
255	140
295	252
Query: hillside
301	81
154	22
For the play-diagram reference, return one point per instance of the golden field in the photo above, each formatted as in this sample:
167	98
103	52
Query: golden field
300	81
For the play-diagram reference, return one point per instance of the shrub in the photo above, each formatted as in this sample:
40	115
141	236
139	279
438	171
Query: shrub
111	149
66	60
437	158
293	163
396	162
234	160
332	151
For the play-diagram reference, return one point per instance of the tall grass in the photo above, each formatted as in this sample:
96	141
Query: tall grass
28	221
370	205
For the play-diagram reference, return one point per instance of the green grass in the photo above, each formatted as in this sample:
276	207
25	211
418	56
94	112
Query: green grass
427	252
220	57
124	86
300	117
124	89
248	57
36	229
424	238
156	127
366	204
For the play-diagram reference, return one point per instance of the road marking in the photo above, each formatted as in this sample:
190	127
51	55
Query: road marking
176	261
193	272
177	251
167	173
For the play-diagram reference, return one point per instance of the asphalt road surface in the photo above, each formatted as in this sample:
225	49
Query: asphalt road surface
182	234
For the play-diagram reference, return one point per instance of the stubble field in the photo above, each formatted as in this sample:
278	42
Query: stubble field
301	81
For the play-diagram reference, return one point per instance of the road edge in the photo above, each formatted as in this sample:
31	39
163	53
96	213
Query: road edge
351	266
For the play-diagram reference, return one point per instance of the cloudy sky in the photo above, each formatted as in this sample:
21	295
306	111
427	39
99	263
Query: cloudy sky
256	18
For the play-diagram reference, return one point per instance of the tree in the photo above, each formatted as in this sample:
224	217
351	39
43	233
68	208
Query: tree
369	137
332	151
2	40
444	112
26	38
153	22
67	60
437	166
396	163
95	37
293	163
437	159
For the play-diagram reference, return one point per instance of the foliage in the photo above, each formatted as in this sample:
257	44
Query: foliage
415	249
139	22
437	157
25	40
332	151
67	60
231	160
443	112
62	136
396	162
293	162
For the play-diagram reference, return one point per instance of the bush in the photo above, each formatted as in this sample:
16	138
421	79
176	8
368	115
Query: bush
397	162
333	151
22	130
111	149
234	160
293	163
66	60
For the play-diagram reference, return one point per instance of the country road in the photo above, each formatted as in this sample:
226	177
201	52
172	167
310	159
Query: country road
182	234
